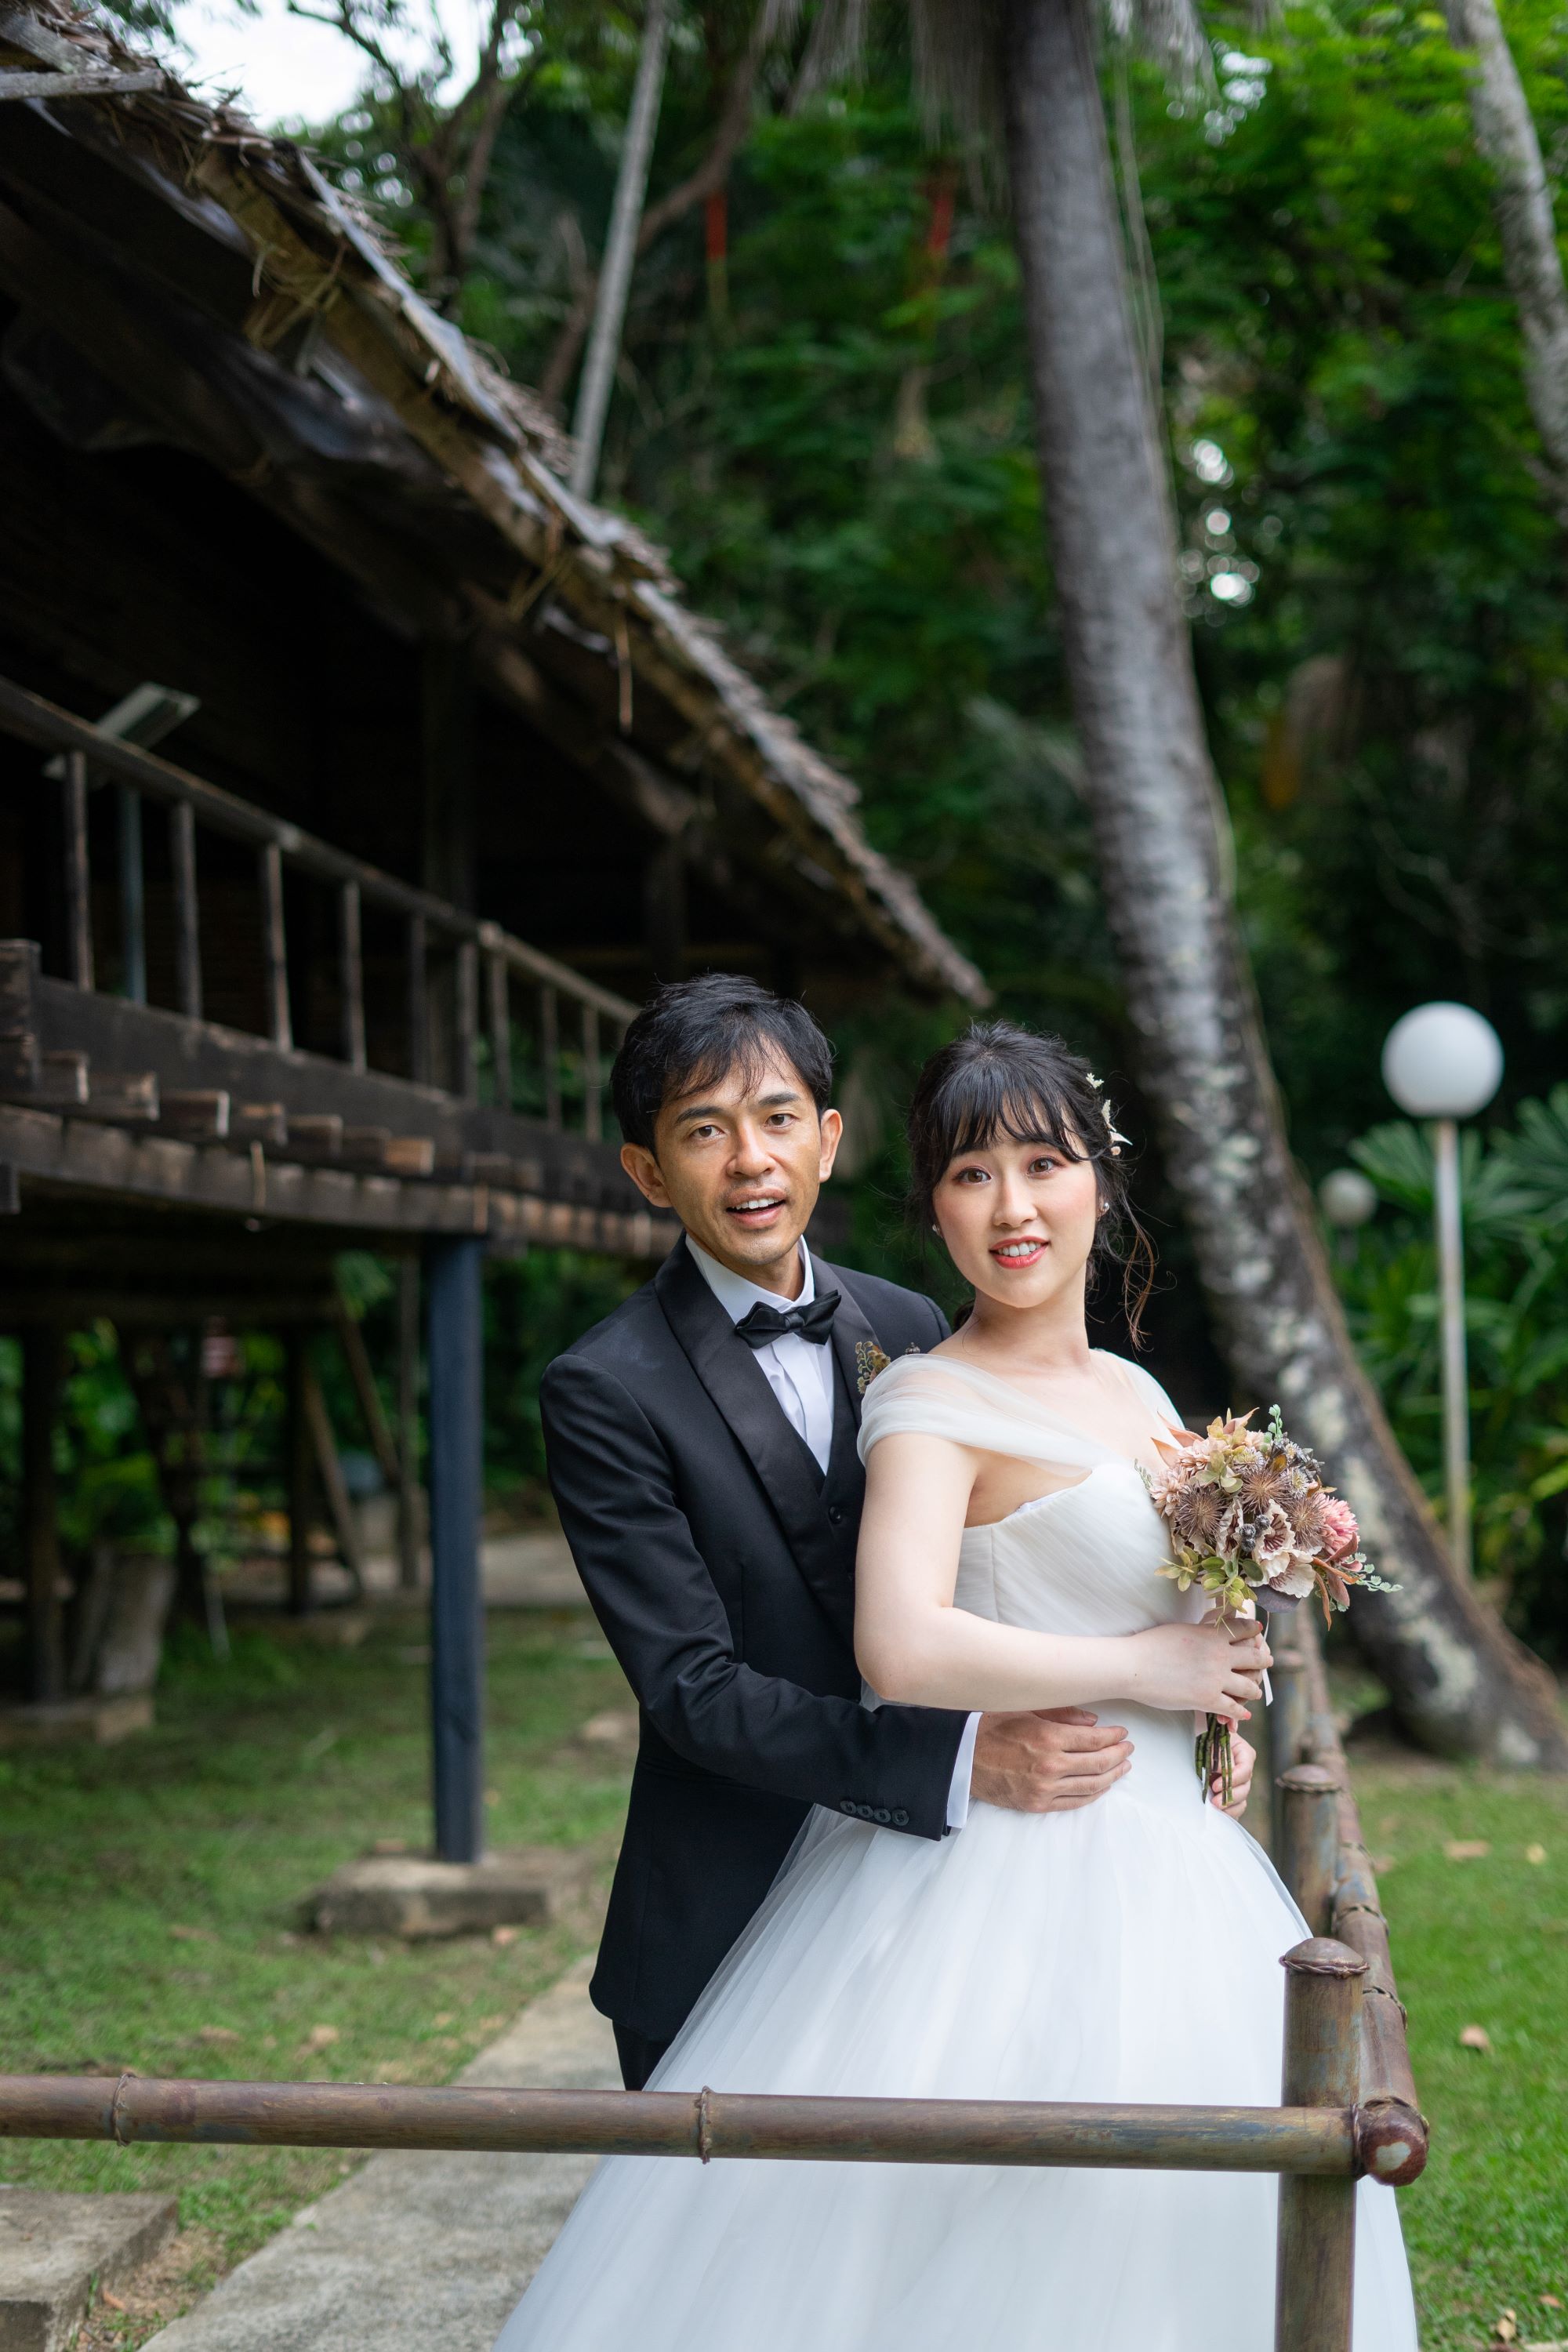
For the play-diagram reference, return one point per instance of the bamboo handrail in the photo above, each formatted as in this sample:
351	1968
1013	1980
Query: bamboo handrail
1319	2141
1394	2133
36	720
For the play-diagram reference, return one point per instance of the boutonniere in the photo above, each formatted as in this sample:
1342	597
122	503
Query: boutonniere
870	1360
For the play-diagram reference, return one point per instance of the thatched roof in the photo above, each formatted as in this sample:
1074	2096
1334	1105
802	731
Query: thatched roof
325	382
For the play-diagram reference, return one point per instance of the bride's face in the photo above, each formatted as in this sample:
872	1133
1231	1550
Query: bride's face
1018	1220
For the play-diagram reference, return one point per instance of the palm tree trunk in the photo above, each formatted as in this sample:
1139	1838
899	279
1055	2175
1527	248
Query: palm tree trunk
1506	135
620	252
1457	1679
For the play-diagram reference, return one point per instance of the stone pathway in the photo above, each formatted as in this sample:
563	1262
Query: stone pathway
420	2253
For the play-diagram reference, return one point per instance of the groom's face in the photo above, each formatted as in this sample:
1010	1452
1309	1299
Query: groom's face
740	1159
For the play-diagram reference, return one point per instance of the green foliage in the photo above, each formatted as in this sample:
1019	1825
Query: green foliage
1515	1192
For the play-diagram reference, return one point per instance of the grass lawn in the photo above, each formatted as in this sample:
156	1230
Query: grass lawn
1482	1940
148	1892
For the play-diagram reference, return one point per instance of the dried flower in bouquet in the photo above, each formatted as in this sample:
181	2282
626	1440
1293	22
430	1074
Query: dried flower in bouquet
1253	1524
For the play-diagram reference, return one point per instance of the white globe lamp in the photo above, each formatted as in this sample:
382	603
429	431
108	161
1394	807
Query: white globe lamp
1347	1198
1444	1062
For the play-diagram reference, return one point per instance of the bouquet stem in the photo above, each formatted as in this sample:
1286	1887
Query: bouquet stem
1214	1757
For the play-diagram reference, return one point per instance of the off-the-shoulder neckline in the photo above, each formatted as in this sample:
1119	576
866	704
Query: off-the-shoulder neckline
995	1379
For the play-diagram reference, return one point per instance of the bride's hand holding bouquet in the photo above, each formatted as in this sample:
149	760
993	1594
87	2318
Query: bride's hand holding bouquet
1253	1523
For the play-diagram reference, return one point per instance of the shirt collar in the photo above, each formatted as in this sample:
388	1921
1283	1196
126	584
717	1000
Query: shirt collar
736	1296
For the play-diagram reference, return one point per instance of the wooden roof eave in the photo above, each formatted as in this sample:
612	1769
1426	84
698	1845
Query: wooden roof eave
314	258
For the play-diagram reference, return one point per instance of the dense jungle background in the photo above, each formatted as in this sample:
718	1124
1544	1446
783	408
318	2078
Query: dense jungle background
822	409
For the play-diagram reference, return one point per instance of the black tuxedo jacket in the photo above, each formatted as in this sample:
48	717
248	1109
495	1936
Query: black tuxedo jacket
720	1563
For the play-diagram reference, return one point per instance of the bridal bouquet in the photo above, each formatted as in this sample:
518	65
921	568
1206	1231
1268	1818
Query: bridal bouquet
1253	1523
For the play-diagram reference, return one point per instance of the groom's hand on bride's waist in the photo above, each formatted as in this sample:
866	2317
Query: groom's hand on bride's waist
1052	1762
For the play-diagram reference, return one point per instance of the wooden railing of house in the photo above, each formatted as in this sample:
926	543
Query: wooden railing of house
1347	2109
431	925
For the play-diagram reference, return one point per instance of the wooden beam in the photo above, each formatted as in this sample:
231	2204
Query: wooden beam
187	930
79	877
351	1338
86	82
408	1515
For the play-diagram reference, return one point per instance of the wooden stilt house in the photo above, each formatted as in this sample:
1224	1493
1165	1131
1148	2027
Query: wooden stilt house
356	780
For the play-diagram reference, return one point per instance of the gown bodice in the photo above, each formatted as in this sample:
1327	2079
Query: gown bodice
1083	1560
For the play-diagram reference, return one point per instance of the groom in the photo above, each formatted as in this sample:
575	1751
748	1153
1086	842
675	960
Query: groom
701	1445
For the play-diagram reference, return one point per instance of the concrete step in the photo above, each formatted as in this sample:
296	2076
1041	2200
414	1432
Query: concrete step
420	2253
58	2250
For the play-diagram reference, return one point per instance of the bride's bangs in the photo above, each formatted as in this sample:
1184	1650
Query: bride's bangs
986	1100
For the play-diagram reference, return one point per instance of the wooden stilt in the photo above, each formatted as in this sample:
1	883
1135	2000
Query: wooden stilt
300	1484
329	1470
455	1407
1316	2260
43	1365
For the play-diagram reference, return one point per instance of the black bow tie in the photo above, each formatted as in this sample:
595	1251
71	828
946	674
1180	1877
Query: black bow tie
763	1324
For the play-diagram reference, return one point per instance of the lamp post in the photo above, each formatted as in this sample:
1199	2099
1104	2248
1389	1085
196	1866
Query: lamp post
1444	1062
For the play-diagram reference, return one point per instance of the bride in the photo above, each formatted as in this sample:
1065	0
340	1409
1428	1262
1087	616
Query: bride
1129	1951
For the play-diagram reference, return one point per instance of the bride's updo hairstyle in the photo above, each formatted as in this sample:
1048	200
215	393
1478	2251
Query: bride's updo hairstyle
1000	1079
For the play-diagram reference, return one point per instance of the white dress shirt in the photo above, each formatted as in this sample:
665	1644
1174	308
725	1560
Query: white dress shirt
800	1375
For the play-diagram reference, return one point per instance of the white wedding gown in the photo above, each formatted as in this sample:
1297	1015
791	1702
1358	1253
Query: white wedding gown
1128	1951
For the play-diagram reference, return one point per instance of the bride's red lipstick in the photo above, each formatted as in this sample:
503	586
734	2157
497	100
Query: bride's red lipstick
1018	1259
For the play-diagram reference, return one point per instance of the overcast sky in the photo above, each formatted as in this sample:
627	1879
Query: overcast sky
286	70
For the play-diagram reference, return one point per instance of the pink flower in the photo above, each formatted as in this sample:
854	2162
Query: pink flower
1341	1533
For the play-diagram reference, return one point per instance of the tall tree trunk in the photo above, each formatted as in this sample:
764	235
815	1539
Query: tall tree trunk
620	251
1506	135
1459	1680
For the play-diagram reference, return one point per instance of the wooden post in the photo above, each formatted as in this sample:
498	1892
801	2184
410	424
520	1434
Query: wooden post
301	1488
329	1470
1308	1856
132	896
1316	2259
408	1424
79	877
500	1030
43	1365
465	1021
187	933
418	1004
351	975
274	948
550	1053
1287	1729
455	1406
593	1081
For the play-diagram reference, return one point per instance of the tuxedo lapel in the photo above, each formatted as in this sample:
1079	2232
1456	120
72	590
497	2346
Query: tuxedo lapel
785	1467
854	1342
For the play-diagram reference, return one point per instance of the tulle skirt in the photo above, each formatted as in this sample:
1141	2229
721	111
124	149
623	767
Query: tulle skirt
1129	1951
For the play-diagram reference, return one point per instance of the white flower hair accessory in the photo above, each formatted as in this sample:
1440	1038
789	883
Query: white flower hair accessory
1117	1138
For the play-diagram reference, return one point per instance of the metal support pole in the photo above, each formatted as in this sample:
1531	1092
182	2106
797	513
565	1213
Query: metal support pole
1308	1856
1456	1377
43	1364
132	896
1316	2259
454	1323
408	1530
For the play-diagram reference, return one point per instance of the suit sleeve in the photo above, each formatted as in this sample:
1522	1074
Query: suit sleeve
651	1591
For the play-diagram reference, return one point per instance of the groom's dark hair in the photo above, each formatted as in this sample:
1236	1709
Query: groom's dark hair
692	1033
